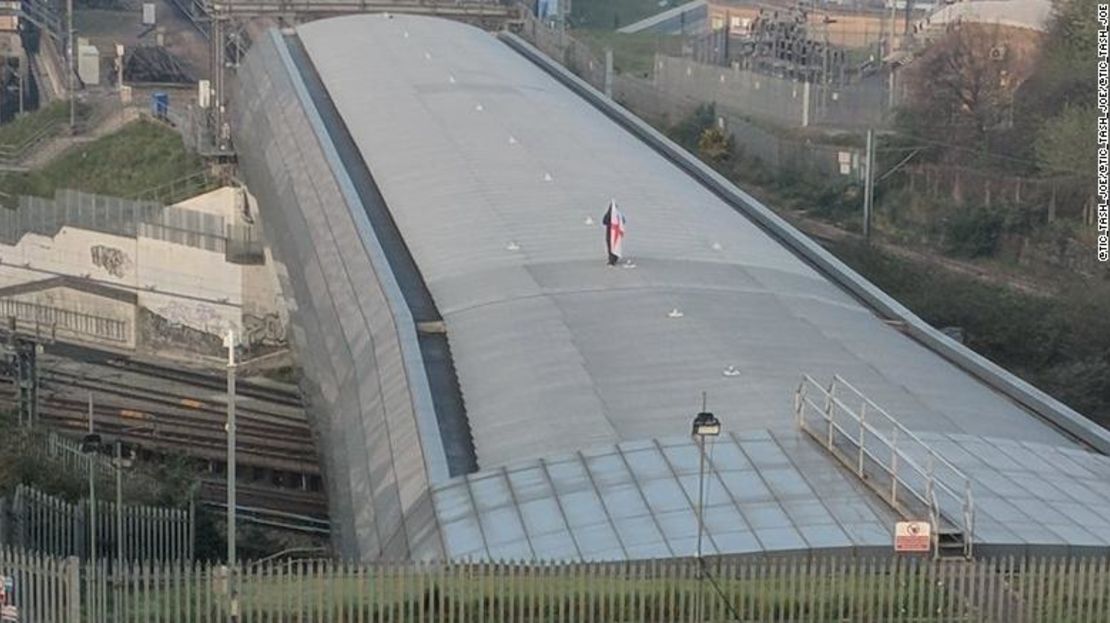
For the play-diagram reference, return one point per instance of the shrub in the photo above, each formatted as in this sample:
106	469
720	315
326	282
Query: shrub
974	232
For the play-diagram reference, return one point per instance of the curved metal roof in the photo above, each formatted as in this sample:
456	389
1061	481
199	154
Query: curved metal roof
578	380
492	169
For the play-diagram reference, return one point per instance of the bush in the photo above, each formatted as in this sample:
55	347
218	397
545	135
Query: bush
715	147
974	232
689	131
1060	344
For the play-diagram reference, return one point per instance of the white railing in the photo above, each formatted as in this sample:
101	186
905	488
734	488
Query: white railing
863	435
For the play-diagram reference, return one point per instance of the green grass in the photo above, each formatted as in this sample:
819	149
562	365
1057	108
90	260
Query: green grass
545	596
632	54
139	157
614	14
23	128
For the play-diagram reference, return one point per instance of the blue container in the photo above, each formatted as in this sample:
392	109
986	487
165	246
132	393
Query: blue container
159	103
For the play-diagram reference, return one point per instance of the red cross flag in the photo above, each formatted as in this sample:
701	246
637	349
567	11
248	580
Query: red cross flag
614	231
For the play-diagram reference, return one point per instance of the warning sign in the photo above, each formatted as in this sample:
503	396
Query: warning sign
912	536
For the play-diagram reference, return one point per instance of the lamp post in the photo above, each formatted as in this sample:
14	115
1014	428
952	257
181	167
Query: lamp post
119	507
90	446
230	342
120	464
705	425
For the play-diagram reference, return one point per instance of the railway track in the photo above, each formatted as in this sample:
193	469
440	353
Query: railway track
175	420
293	501
198	379
158	410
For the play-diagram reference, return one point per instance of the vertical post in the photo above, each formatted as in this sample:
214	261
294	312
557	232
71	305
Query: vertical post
862	421
893	25
930	468
724	46
830	404
894	466
92	489
73	588
13	346
608	72
119	66
33	402
701	525
869	184
72	69
231	503
218	50
192	526
119	503
891	98
117	577
805	103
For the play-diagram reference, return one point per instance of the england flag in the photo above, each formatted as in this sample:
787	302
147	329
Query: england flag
614	231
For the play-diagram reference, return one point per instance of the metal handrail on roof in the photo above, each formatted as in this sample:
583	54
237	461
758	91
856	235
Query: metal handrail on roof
896	454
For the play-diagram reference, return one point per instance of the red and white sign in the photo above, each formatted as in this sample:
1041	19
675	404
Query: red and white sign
912	536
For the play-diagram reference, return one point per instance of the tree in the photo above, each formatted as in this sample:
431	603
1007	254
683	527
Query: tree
960	89
1057	105
1066	144
1070	53
715	146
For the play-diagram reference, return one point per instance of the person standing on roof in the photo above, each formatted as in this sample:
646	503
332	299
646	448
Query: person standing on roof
614	231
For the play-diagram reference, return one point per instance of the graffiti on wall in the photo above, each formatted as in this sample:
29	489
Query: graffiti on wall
157	332
200	327
264	330
111	259
200	316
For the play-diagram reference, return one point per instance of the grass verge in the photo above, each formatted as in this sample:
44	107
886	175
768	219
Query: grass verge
140	156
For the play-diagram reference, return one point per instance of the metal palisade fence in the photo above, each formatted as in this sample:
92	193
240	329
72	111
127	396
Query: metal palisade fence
49	590
49	525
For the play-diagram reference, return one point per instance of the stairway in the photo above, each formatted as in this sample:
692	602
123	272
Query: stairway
910	477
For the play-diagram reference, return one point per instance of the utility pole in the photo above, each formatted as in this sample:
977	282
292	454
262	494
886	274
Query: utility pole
118	572
119	66
893	24
231	553
70	56
92	485
869	184
119	508
705	425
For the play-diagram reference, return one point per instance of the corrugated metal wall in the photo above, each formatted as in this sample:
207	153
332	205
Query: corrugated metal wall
354	335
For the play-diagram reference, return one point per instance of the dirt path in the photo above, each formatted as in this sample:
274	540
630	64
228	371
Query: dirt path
50	149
